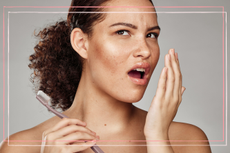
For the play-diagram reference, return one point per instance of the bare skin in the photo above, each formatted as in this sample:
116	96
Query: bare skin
105	93
178	131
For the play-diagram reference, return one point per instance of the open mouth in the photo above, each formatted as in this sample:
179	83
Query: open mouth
137	73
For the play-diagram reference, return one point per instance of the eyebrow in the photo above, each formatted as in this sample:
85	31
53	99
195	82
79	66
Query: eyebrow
133	26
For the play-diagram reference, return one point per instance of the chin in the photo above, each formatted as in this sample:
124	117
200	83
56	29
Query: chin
133	98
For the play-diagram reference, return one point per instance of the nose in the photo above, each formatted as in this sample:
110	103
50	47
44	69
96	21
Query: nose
143	50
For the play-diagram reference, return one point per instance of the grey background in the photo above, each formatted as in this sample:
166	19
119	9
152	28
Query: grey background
196	37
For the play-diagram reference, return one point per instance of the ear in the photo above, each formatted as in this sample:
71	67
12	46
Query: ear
79	42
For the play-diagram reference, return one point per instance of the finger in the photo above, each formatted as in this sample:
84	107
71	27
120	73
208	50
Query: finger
182	90
162	84
64	122
170	78
177	61
81	146
180	86
68	130
177	75
180	97
75	138
177	56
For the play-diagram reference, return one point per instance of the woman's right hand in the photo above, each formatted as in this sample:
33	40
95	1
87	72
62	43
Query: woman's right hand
166	102
68	136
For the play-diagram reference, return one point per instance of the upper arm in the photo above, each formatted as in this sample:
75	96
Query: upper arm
10	148
19	143
191	139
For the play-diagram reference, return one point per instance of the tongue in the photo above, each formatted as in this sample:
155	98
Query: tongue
135	74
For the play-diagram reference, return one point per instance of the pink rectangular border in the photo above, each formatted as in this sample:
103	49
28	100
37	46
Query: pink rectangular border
223	49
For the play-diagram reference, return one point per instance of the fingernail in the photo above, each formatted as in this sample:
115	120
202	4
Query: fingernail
168	56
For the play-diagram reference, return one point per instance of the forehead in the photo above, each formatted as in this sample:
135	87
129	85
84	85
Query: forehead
129	11
140	13
146	18
137	17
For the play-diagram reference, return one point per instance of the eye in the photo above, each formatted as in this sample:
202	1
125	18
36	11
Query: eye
123	32
152	35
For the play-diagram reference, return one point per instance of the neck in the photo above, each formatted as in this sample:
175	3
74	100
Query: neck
99	110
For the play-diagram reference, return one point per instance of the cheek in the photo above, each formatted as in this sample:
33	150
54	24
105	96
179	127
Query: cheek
156	55
108	57
155	52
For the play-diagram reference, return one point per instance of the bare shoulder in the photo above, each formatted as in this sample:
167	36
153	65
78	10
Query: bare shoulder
188	138
23	141
185	131
27	140
184	137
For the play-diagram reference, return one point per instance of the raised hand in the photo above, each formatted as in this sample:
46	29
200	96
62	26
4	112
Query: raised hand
165	103
68	136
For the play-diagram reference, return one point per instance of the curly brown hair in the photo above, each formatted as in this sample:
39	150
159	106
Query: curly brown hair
57	67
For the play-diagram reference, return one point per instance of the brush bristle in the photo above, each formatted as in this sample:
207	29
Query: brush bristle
43	96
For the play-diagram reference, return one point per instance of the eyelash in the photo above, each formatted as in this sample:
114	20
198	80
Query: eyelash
117	32
155	34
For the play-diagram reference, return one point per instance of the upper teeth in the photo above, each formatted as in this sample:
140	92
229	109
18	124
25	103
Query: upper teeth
140	69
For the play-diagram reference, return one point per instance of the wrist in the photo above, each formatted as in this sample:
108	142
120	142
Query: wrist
157	135
157	141
158	145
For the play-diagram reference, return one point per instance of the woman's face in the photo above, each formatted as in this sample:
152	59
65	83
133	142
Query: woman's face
123	50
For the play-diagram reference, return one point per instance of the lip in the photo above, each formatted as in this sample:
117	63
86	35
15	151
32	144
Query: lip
145	78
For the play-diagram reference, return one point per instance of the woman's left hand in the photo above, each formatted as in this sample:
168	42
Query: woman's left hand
165	103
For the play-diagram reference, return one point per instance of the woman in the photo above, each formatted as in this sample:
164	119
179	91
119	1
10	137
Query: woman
94	66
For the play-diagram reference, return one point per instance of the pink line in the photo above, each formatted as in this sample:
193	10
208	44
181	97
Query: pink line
129	145
8	71
188	6
226	48
120	140
80	6
114	6
3	52
223	71
105	7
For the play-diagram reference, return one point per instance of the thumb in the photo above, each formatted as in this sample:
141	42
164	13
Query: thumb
182	90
